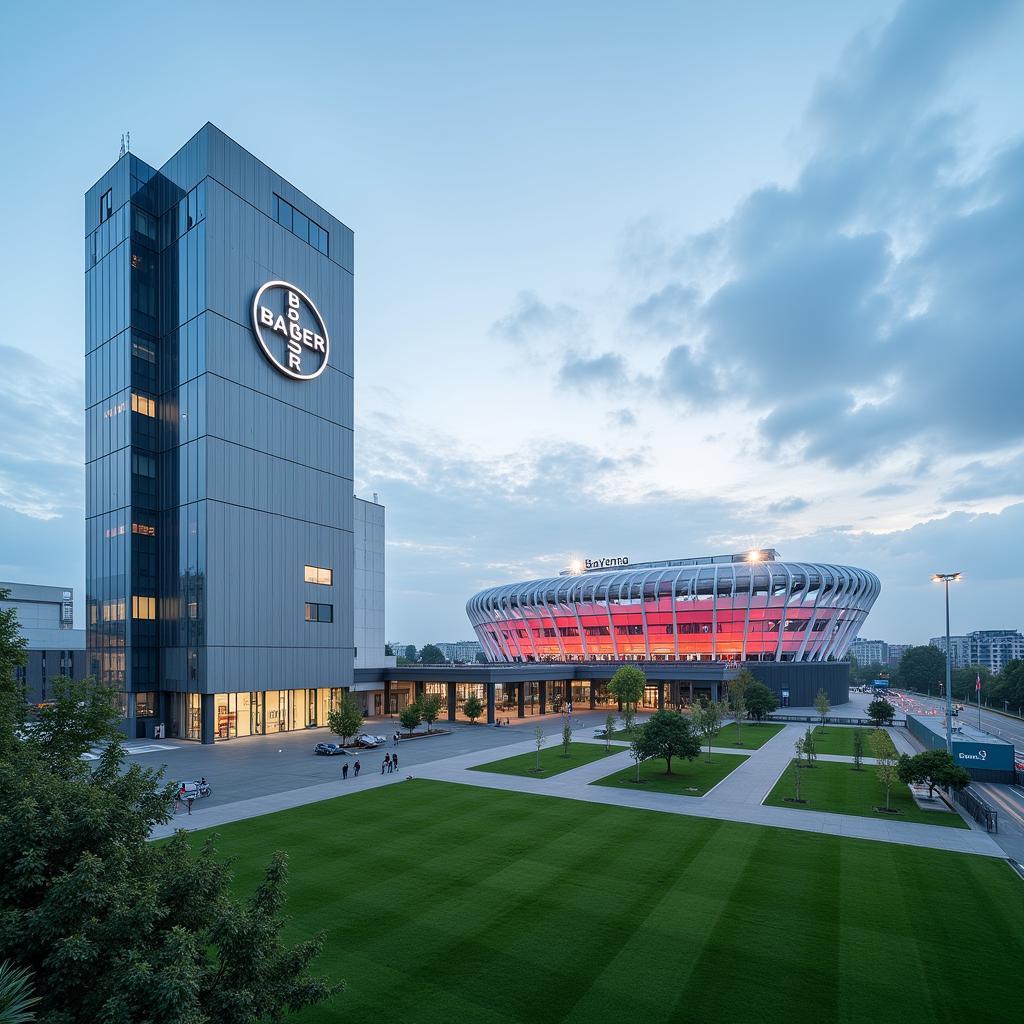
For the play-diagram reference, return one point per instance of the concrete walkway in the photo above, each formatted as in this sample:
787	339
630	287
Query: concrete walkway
737	798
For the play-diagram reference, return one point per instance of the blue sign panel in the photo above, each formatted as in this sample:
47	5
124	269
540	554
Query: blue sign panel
995	757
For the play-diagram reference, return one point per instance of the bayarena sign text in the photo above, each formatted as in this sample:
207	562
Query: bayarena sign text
290	330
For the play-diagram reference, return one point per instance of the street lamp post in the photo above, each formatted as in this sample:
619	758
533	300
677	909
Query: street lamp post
947	578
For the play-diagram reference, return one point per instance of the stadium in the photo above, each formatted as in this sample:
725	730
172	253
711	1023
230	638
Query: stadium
749	607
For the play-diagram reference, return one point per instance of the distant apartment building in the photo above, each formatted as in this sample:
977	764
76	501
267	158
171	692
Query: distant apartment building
896	652
54	647
990	648
463	650
870	652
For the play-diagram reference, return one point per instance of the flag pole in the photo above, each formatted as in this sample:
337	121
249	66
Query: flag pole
977	686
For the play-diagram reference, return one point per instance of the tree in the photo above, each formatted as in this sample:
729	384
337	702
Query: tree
885	766
922	667
858	749
798	746
636	748
410	716
410	652
123	929
430	708
609	728
760	701
566	737
933	768
16	999
738	702
627	686
809	747
472	707
346	718
881	712
666	734
539	739
431	655
707	719
822	705
481	658
389	651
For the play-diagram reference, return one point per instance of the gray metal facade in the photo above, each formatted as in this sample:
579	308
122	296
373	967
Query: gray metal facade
212	477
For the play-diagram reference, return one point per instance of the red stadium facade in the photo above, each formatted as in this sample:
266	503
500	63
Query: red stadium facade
719	608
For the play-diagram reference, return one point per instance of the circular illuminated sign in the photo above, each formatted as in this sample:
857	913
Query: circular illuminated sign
290	330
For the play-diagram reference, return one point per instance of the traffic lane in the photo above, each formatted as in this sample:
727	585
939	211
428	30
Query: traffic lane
1005	728
1008	802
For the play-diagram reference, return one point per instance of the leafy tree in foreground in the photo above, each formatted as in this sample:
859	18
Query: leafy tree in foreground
609	728
16	999
933	768
430	708
539	740
627	686
882	749
881	712
798	746
666	734
410	716
566	737
858	749
706	717
738	701
472	707
822	705
120	928
346	718
760	701
810	749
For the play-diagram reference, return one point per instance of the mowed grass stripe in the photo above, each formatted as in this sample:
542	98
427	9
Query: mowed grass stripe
447	902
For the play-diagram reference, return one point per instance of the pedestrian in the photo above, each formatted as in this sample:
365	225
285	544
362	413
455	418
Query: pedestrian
189	797
357	766
384	764
179	798
394	762
344	770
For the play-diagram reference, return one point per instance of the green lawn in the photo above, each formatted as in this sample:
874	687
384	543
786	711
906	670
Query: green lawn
551	760
835	786
753	735
838	739
444	902
688	778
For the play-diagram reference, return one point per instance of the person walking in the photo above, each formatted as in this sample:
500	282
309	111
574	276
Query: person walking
394	762
384	764
344	770
357	766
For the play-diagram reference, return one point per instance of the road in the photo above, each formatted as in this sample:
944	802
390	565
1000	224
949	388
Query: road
1009	802
1009	729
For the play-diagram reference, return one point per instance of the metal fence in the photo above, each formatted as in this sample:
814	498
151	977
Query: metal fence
829	720
980	811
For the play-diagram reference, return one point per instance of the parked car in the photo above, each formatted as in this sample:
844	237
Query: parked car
328	749
364	739
600	732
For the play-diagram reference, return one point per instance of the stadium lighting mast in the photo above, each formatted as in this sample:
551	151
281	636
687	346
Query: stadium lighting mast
947	578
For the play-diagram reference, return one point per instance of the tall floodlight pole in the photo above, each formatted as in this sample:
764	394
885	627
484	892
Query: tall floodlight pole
947	578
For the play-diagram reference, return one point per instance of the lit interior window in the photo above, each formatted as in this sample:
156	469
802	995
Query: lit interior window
144	405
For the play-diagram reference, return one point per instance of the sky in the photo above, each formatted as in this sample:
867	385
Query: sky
653	280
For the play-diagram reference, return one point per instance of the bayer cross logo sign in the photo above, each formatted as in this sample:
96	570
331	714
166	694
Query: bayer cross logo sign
290	330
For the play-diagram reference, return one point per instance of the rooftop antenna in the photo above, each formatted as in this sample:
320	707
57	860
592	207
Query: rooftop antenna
121	154
375	498
128	144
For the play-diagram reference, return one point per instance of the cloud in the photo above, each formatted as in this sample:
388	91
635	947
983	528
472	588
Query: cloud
586	372
979	480
666	312
531	318
41	473
624	417
787	506
888	490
